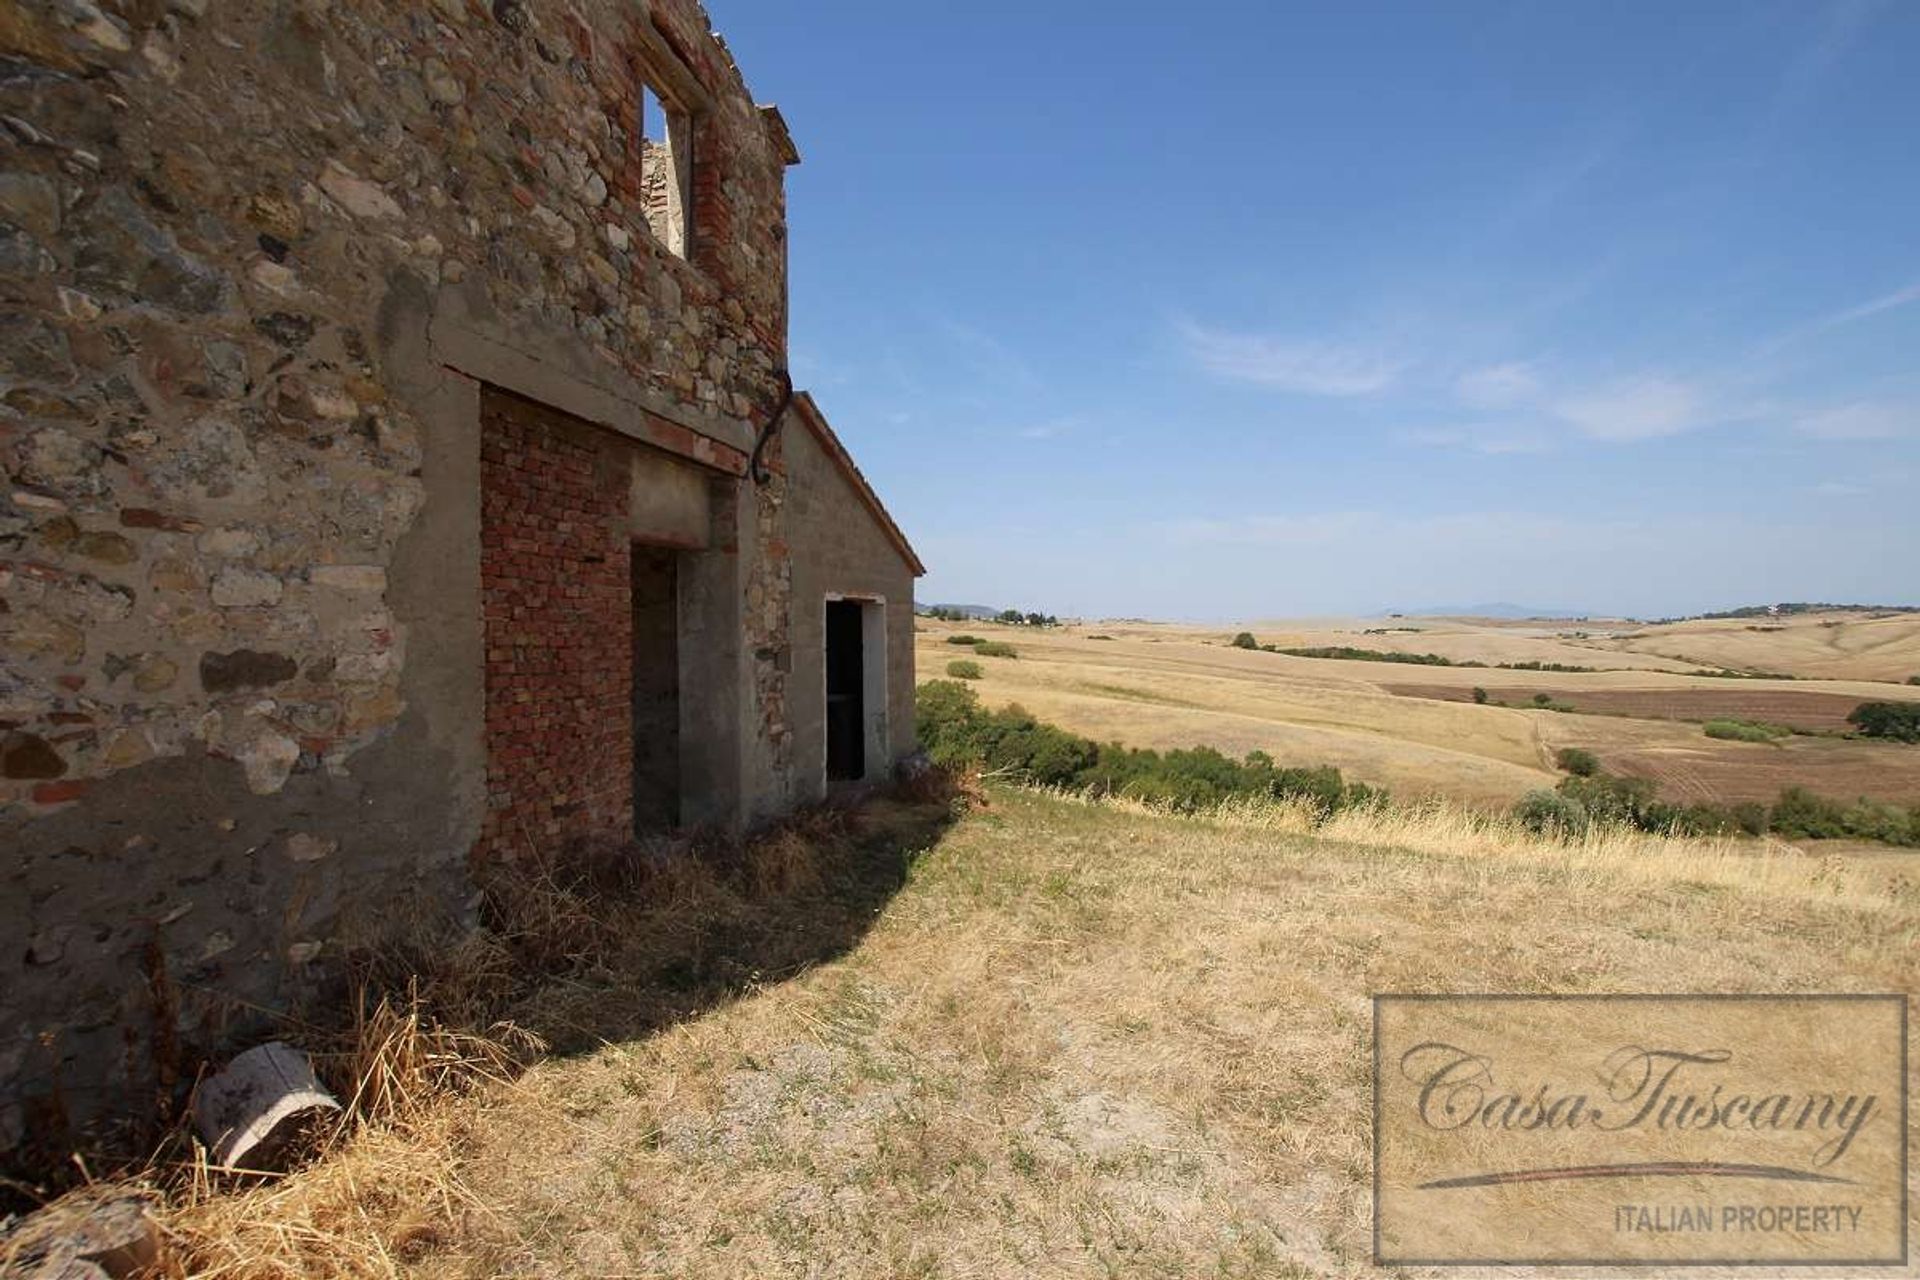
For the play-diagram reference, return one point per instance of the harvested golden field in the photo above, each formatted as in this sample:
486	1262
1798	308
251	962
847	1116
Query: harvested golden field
1732	700
1840	646
1080	1040
1416	730
1823	646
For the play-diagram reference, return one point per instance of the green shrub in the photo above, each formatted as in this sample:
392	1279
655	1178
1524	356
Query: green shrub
1746	730
1245	640
955	730
963	638
1578	761
995	649
1913	679
1800	812
1542	699
1609	798
1750	816
964	669
1899	721
1479	695
1551	813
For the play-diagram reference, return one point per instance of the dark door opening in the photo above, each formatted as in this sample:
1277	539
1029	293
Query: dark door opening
846	694
656	689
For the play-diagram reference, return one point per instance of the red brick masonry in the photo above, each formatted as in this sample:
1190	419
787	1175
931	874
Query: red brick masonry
554	586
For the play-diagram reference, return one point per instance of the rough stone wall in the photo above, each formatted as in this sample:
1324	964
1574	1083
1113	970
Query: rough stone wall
200	212
240	638
554	584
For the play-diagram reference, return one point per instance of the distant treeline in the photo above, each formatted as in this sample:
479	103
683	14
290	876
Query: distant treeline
1012	617
1791	607
1245	640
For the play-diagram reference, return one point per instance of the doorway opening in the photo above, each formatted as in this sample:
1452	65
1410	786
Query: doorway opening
846	692
656	688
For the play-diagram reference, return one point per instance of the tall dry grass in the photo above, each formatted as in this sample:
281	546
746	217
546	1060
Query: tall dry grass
1439	828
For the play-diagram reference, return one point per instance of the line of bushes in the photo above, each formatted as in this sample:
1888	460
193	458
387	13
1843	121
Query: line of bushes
1584	800
1369	655
1245	640
1747	731
956	731
984	647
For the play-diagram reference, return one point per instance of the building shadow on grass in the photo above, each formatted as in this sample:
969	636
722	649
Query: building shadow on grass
586	946
603	944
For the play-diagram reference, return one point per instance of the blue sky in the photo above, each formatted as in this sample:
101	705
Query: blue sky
1255	310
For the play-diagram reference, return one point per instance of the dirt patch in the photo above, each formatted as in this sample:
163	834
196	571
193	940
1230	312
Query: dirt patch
1818	712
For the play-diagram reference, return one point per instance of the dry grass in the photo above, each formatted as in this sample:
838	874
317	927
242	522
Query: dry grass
1083	1039
1841	646
576	951
1401	727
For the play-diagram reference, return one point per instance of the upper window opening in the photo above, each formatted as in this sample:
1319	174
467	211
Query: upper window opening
666	169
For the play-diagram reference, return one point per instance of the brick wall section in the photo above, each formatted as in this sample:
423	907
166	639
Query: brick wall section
554	585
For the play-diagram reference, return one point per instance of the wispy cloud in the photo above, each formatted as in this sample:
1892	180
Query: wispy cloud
1561	176
1492	440
1842	23
1363	527
1767	351
990	359
809	370
1051	429
1645	408
1267	531
1307	367
1498	386
1871	307
1860	421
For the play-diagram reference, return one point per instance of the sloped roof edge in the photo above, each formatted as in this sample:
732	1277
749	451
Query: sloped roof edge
817	423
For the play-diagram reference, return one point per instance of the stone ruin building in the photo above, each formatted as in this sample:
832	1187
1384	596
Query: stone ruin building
401	473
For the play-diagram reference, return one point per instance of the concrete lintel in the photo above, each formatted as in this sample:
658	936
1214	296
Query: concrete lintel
554	371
